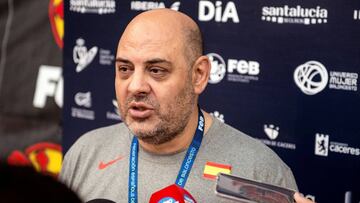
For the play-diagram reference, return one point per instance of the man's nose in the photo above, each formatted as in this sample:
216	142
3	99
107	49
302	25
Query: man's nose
139	83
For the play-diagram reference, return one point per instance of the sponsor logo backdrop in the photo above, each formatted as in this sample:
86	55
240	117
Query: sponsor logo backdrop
284	72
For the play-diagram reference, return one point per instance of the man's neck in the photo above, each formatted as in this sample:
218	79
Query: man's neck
180	142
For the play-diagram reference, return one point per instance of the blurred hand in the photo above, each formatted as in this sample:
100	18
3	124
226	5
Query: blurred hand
299	198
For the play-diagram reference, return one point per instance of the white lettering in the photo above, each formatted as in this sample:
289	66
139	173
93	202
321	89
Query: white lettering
201	124
232	65
93	6
49	84
209	11
206	10
243	67
344	149
230	12
146	5
59	92
218	11
297	11
343	81
254	68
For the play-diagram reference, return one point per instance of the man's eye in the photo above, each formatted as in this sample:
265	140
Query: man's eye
157	72
123	69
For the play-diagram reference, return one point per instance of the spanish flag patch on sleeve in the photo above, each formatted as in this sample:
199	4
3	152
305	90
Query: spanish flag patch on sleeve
212	169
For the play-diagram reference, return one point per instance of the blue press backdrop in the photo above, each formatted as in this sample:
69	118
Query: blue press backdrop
285	72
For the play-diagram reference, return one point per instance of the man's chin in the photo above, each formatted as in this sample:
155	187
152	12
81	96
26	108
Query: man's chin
149	139
141	129
154	140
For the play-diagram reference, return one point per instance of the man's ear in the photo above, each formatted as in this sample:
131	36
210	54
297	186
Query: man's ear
201	73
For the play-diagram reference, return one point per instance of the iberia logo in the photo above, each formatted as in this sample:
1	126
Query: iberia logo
44	156
56	16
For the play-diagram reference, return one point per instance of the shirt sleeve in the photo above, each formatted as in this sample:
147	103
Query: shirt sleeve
71	166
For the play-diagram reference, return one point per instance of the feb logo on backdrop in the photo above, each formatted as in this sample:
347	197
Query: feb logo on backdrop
235	70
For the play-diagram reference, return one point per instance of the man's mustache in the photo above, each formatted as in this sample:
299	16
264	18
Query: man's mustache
144	99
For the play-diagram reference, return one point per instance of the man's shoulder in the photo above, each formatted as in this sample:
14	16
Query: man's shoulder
105	133
229	135
104	136
237	146
256	160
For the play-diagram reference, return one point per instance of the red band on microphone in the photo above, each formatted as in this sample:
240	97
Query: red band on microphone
172	194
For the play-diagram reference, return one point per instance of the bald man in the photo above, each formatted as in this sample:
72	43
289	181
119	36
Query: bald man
165	137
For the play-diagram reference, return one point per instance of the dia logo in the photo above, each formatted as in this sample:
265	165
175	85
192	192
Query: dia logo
219	12
321	144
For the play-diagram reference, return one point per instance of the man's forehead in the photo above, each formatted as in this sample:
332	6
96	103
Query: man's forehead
145	33
151	46
161	18
147	46
146	41
156	26
146	52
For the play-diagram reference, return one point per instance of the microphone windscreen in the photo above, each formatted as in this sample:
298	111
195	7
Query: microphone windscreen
172	194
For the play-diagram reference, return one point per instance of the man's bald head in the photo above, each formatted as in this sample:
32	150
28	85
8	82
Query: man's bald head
173	25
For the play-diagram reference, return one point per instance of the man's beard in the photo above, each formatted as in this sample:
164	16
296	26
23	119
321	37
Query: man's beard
171	121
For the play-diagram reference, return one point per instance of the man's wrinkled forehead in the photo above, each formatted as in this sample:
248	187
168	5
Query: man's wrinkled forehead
147	38
150	38
151	30
143	46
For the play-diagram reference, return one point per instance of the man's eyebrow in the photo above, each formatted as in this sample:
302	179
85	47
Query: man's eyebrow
119	59
150	61
157	60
